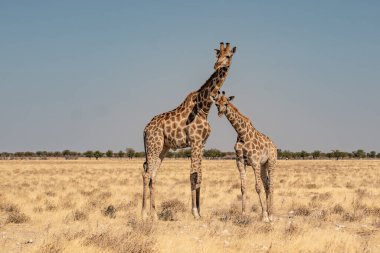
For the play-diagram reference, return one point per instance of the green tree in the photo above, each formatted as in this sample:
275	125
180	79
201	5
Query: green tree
121	154
279	153
170	154
303	154
130	153
98	154
212	153
336	153
359	153
186	153
286	154
378	155
372	154
316	154
89	154
109	153
66	153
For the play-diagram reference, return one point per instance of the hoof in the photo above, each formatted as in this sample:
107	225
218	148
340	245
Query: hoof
144	216
195	214
265	217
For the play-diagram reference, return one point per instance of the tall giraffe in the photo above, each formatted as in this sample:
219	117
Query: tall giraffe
252	148
185	126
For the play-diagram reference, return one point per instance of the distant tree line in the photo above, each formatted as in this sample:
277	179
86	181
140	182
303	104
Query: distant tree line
130	153
333	154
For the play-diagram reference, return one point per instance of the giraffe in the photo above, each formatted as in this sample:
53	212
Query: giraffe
253	149
185	126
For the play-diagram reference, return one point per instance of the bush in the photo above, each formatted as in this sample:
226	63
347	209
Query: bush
302	211
110	211
17	218
170	210
78	215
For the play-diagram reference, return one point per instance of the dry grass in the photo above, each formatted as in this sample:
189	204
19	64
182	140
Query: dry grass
59	206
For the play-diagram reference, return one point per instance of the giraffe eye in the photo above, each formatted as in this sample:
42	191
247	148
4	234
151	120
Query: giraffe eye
228	57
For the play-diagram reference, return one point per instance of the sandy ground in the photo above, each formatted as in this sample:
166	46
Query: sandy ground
94	206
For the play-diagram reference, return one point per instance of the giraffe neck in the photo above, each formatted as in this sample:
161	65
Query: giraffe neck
239	122
210	88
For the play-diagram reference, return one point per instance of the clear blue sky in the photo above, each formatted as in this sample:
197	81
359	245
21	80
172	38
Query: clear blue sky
91	74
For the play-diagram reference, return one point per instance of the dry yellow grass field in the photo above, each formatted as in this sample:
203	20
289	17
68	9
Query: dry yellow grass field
94	206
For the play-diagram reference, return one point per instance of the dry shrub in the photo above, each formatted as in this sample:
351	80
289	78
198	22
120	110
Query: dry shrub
302	211
350	185
51	247
72	235
361	192
76	215
291	229
50	206
8	207
310	186
17	217
171	209
242	220
338	209
375	211
349	217
255	208
67	203
109	211
135	241
99	200
38	209
263	228
236	186
324	196
50	193
225	214
134	202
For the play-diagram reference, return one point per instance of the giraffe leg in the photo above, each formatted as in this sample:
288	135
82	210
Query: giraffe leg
196	179
241	167
146	178
242	172
271	164
259	189
149	175
265	179
153	181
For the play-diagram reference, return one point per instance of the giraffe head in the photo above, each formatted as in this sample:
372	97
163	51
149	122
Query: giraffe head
224	55
222	102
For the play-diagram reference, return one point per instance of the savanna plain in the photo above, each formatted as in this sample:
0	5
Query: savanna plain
54	206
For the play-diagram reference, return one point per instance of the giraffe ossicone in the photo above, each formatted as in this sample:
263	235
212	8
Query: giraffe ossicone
253	149
185	126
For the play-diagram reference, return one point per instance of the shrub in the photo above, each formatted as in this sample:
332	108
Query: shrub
110	212
123	241
17	217
79	215
302	211
170	210
338	209
242	220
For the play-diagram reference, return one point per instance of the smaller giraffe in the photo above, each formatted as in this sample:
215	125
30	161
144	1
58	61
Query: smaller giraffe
254	149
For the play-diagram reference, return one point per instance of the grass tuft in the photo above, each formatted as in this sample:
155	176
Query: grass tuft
171	209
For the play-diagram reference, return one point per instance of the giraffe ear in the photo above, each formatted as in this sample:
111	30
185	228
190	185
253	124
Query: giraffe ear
217	51
231	98
212	99
233	50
